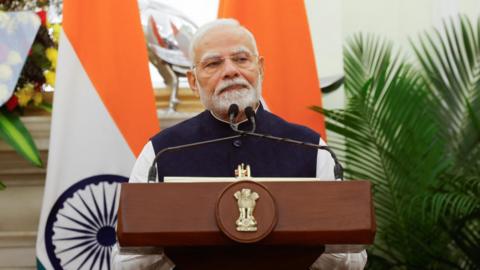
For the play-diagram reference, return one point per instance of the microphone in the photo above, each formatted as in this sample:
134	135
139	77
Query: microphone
232	113
250	113
152	172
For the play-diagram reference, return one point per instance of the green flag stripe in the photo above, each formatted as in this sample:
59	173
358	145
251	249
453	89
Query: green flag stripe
40	265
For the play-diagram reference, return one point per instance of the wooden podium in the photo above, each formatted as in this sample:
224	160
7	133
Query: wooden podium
195	222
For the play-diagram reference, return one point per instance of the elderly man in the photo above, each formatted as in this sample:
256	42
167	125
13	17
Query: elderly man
228	70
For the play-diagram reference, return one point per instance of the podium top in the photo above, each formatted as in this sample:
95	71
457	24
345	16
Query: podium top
182	179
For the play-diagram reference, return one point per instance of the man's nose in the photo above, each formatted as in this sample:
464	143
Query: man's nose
230	69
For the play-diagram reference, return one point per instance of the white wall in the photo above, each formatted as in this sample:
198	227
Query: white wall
326	28
332	22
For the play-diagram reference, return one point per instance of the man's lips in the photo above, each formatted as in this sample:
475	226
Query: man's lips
233	88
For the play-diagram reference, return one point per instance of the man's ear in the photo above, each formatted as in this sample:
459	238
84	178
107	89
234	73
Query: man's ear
261	61
192	82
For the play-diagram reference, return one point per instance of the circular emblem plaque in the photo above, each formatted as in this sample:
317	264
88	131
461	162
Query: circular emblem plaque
246	211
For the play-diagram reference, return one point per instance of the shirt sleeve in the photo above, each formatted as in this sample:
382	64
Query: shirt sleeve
142	165
131	261
341	261
325	164
335	261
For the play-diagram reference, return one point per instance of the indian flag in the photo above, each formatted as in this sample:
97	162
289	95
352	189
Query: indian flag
282	32
103	113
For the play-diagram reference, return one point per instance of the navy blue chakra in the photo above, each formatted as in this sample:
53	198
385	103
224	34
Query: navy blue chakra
80	229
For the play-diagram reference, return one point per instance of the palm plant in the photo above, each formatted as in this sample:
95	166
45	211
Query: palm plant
413	129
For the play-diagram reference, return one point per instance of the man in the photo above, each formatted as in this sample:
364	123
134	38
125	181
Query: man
228	70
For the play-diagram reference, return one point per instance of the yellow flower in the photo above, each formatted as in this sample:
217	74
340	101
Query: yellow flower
52	54
25	94
37	98
56	32
50	77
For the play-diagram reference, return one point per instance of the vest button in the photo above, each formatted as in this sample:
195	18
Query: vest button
237	143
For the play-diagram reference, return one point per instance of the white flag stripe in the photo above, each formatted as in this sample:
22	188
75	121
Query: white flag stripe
84	142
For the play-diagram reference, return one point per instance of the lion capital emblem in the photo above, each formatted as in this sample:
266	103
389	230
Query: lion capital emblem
246	204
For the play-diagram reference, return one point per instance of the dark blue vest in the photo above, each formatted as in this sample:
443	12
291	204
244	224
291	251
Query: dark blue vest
266	158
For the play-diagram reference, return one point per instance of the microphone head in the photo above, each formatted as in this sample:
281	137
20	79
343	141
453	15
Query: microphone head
233	111
249	113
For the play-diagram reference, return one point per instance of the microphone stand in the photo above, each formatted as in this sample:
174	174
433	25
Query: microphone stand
152	172
232	113
250	114
337	170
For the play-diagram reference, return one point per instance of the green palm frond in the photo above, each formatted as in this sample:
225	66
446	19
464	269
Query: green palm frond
413	129
450	60
387	118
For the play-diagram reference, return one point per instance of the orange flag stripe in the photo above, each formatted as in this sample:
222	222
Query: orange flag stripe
283	37
108	39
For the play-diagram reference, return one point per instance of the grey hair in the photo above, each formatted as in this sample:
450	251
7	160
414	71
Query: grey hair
204	29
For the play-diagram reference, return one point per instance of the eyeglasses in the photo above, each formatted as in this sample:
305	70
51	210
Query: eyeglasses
214	64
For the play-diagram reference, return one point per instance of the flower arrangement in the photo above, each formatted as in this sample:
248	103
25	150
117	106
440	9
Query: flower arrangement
37	76
38	73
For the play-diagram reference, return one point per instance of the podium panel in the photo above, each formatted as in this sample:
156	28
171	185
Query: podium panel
183	214
293	221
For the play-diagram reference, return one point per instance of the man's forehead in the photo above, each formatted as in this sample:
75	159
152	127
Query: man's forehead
213	42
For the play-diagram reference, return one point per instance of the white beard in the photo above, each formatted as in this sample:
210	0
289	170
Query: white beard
219	102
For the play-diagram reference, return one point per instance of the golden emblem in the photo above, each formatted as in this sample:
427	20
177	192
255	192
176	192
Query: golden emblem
246	205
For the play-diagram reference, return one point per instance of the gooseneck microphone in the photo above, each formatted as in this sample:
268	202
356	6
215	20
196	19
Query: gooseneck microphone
250	114
152	172
232	113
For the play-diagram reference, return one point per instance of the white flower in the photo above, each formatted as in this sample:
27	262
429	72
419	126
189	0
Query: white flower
10	22
5	72
14	58
3	19
23	17
3	94
7	24
35	20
